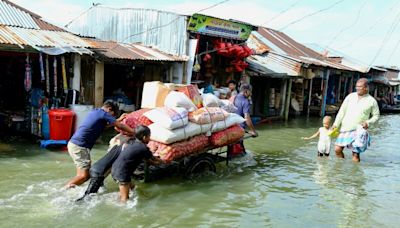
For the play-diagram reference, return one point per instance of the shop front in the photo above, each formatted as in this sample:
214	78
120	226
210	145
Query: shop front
219	52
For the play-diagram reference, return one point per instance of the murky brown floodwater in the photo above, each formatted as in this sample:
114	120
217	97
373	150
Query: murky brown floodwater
284	184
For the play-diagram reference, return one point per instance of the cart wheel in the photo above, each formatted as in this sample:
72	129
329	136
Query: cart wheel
198	166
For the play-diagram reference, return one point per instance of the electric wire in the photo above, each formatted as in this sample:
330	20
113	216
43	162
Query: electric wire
311	14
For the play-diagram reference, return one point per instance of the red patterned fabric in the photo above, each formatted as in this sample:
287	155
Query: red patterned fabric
227	136
136	118
180	149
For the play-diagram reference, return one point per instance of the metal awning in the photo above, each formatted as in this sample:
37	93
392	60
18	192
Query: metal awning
274	65
50	42
115	50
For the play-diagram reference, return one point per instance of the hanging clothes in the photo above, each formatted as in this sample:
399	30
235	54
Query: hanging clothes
47	75
42	78
64	74
28	74
55	76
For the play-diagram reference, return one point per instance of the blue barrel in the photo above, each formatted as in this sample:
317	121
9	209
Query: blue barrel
45	122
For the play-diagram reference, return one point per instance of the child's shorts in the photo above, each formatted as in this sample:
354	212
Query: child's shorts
324	148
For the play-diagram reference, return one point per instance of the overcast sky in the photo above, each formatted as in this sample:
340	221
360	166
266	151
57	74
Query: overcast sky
367	31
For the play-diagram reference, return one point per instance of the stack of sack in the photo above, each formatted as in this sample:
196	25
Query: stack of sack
183	122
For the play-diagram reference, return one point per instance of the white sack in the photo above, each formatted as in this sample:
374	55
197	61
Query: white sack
210	100
163	135
231	120
179	99
169	118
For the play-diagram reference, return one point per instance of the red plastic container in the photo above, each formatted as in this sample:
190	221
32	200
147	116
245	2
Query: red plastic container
60	123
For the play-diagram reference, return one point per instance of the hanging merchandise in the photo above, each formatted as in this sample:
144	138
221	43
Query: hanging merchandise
64	74
28	74
55	76
42	78
47	75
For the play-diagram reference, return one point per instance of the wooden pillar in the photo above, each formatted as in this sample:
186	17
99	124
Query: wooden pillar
288	96
351	84
339	87
309	97
323	106
99	84
76	80
283	97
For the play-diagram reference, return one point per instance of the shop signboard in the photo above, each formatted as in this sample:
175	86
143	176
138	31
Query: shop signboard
218	27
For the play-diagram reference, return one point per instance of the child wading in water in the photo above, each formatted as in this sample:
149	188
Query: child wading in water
324	143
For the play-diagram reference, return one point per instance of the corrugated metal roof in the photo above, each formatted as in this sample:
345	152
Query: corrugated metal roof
12	15
164	30
116	50
285	46
47	26
273	65
282	43
41	38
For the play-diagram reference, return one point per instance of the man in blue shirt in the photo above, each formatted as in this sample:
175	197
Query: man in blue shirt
242	103
85	137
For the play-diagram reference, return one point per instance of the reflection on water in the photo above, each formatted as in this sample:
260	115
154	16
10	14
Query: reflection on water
282	183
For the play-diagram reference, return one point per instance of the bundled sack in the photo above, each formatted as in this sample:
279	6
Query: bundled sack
210	100
207	115
166	136
227	136
179	99
136	118
228	106
118	140
178	150
169	118
193	93
154	94
231	120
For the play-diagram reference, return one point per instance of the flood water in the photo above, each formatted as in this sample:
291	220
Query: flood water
283	184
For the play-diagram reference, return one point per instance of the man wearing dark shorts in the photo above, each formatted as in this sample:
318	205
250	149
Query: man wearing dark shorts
130	158
100	170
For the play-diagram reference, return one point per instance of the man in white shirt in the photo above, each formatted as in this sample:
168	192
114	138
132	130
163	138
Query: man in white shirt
358	108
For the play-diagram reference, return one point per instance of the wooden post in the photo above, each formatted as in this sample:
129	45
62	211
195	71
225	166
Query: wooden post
288	95
309	97
76	80
323	106
338	91
345	86
351	84
99	84
283	97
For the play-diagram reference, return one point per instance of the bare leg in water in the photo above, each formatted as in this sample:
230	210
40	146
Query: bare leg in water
339	151
356	157
124	191
82	175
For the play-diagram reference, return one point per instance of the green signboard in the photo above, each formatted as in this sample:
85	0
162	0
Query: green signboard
218	27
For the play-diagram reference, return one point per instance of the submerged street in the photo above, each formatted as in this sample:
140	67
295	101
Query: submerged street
281	184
